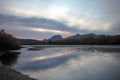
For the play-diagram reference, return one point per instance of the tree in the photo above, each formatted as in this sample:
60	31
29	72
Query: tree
8	42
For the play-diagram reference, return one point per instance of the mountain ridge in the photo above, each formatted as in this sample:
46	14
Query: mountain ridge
76	39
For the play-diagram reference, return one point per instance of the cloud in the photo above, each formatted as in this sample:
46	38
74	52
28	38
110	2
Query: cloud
115	29
78	23
110	11
84	24
49	17
51	31
35	28
61	14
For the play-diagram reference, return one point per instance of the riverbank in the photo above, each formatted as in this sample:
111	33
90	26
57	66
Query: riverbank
2	53
7	73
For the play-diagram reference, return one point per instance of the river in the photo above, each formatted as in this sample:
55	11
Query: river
77	62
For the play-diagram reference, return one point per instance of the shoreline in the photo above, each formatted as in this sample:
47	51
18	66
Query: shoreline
7	73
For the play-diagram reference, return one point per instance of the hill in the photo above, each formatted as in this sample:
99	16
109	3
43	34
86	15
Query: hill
77	39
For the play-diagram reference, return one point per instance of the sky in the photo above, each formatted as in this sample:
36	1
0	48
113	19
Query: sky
40	19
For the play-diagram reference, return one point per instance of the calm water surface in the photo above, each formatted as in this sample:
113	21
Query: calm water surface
67	62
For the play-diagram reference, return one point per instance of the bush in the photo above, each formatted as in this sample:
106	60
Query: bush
8	42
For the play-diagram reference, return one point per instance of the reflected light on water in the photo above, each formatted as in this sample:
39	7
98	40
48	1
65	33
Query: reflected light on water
85	61
66	53
82	68
69	63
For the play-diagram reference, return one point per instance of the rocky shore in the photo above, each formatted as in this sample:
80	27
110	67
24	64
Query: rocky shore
7	73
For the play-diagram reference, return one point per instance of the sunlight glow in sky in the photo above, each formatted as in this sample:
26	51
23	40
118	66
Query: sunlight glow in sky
52	31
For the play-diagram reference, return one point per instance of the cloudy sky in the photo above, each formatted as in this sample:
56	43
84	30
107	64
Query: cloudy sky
39	19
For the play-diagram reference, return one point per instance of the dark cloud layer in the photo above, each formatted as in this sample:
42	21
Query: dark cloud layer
19	26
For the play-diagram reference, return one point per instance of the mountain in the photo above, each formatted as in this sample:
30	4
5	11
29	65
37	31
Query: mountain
78	36
90	35
86	39
56	37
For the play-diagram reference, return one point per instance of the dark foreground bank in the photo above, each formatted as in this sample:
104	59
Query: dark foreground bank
10	74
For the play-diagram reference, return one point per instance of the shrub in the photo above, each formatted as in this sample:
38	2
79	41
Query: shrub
8	42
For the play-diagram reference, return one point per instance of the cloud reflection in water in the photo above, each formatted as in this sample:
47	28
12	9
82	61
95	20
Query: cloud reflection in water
45	62
72	64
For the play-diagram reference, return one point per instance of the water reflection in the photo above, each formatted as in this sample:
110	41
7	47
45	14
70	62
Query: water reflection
100	49
74	65
47	62
9	58
71	63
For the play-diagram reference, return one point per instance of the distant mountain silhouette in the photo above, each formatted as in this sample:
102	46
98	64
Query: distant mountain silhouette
85	39
78	36
56	37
